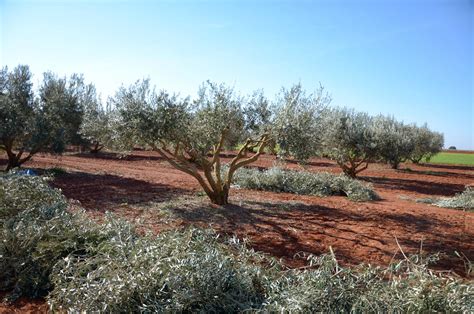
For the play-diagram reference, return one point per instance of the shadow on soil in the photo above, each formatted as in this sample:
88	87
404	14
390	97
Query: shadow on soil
284	230
104	191
312	163
448	167
445	174
116	156
423	187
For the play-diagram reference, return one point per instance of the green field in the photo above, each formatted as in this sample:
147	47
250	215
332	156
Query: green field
453	158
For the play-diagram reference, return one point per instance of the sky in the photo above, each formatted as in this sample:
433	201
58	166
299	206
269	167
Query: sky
409	58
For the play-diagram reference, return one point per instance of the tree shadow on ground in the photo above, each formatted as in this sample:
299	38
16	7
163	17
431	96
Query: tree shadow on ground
312	163
445	174
117	156
423	187
447	167
284	230
105	191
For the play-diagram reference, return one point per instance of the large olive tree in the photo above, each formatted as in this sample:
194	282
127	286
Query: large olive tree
348	138
18	115
297	125
188	135
30	124
63	100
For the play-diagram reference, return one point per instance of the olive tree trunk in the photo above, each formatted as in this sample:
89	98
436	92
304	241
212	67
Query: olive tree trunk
15	160
207	171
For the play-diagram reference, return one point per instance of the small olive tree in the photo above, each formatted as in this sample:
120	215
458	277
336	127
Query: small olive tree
96	128
427	143
348	138
297	125
189	135
393	139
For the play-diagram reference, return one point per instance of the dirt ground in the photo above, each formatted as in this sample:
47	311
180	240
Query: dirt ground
281	224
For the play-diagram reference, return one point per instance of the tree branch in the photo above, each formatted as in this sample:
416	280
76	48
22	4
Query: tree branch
183	165
237	162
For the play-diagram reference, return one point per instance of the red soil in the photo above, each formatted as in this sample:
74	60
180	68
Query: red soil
357	232
24	306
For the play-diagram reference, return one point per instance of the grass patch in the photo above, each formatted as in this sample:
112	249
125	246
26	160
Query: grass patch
452	158
304	182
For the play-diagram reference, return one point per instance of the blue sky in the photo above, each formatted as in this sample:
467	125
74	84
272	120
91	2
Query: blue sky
412	59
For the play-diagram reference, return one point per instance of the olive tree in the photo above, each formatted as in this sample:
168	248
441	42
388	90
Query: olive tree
393	139
96	128
348	138
258	117
188	135
427	143
297	123
18	115
63	101
257	113
45	123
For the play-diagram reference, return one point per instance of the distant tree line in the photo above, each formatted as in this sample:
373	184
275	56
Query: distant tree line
191	133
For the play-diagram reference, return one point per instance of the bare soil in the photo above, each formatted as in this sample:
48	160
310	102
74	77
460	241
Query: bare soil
283	225
24	306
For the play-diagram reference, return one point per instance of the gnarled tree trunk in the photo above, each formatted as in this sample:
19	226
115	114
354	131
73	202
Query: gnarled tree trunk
15	160
208	172
353	167
96	147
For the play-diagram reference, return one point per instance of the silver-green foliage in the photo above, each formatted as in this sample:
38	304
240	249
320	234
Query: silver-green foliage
407	286
348	138
97	127
153	119
21	124
17	107
297	125
47	122
194	271
258	114
394	140
174	272
20	192
304	182
145	117
464	200
36	231
62	102
427	143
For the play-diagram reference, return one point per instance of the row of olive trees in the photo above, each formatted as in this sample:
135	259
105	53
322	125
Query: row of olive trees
353	139
191	133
